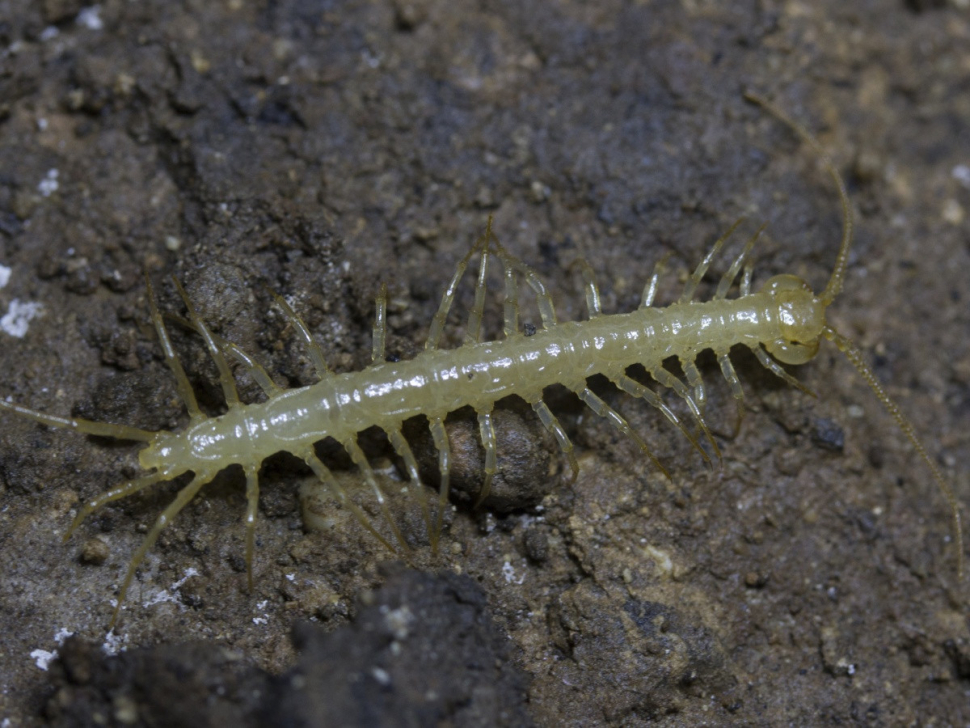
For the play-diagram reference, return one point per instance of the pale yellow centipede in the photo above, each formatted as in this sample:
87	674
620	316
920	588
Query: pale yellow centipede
782	322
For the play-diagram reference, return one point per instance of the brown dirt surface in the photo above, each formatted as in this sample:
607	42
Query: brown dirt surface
318	149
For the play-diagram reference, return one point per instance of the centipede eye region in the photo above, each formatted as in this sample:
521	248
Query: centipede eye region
801	319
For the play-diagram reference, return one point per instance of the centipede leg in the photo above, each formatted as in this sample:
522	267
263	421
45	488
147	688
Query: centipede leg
510	307
441	443
360	460
252	506
745	287
593	302
225	375
616	419
650	288
630	386
447	298
552	424
668	380
775	368
728	278
119	491
253	368
326	477
181	500
695	381
316	352
403	450
547	311
727	369
181	381
473	332
473	335
380	325
487	432
691	286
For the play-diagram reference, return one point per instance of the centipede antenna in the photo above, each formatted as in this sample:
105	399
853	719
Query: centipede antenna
326	477
253	367
225	374
360	460
486	430
316	353
728	278
380	325
447	298
181	381
855	356
834	286
78	424
252	509
440	437
181	500
691	286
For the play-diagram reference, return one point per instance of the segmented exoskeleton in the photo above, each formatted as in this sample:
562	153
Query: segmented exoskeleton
783	322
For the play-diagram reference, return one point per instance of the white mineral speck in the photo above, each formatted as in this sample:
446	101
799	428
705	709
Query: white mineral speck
961	173
17	319
49	184
90	18
43	658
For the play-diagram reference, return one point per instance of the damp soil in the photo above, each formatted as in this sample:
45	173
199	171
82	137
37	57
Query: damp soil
319	149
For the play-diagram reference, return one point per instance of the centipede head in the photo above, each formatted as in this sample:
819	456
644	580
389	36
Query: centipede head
801	318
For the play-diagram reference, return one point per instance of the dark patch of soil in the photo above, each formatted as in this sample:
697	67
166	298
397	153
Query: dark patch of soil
389	668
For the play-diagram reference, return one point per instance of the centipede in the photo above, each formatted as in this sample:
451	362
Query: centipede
783	322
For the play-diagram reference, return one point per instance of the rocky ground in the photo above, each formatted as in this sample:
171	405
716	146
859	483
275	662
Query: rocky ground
318	149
